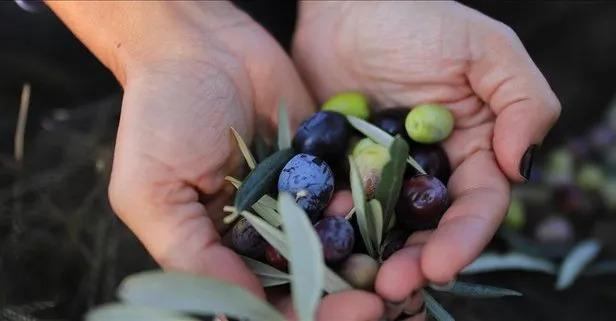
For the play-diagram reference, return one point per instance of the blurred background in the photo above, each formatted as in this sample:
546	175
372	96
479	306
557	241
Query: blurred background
63	251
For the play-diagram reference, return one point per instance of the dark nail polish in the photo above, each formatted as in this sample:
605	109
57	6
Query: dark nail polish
526	164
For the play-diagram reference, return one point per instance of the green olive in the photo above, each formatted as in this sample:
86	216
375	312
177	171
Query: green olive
348	103
590	177
370	162
361	144
429	123
360	271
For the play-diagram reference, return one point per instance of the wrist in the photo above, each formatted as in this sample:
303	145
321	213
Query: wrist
128	35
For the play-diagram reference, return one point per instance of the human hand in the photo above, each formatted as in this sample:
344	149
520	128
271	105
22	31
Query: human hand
190	71
403	53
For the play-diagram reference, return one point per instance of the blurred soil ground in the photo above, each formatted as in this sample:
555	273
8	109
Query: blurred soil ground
63	250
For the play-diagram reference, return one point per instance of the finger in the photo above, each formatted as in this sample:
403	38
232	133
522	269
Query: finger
400	275
350	306
481	196
340	205
526	108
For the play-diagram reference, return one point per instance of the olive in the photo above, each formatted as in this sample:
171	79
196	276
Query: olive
516	216
337	237
325	134
348	103
370	162
310	180
429	123
422	202
554	229
433	159
247	241
275	259
361	144
590	177
360	271
391	120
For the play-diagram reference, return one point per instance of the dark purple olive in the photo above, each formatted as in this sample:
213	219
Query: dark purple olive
433	159
568	198
579	147
422	202
337	236
325	134
394	241
247	241
391	120
275	259
601	136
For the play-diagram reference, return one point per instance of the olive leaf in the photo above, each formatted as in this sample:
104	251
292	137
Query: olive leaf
376	211
263	206
194	294
261	148
306	261
119	311
389	186
380	136
439	313
489	262
275	237
470	290
268	275
245	150
362	210
284	128
258	182
575	262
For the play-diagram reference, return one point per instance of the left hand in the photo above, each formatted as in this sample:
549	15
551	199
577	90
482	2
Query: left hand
405	53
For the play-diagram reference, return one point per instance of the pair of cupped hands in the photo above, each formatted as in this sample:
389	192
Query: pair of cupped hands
192	69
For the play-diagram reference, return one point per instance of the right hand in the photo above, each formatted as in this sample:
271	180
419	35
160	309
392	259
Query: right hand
190	71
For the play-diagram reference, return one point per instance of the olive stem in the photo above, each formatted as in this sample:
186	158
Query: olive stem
350	214
300	194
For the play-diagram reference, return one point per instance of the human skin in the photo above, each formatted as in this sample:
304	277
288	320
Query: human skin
404	53
192	69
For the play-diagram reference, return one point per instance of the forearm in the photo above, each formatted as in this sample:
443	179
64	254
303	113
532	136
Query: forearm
122	34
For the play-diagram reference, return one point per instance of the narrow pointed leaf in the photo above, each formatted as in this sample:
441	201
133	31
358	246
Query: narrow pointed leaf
284	126
250	160
439	313
120	312
380	136
263	206
470	290
262	269
361	209
575	262
389	186
490	262
258	182
261	148
275	237
306	261
193	294
377	222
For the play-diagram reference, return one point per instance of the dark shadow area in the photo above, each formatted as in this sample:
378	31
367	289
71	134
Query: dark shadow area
61	243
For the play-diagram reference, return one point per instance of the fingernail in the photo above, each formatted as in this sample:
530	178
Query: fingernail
526	164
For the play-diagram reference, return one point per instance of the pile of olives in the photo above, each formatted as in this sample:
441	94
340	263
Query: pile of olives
318	177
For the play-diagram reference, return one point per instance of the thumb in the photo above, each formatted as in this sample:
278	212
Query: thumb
505	77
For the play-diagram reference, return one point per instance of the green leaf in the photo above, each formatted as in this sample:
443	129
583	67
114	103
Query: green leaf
250	160
389	186
489	262
439	313
275	237
377	222
119	312
470	290
265	206
193	294
575	262
268	275
306	261
361	209
284	126
258	182
380	136
261	148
